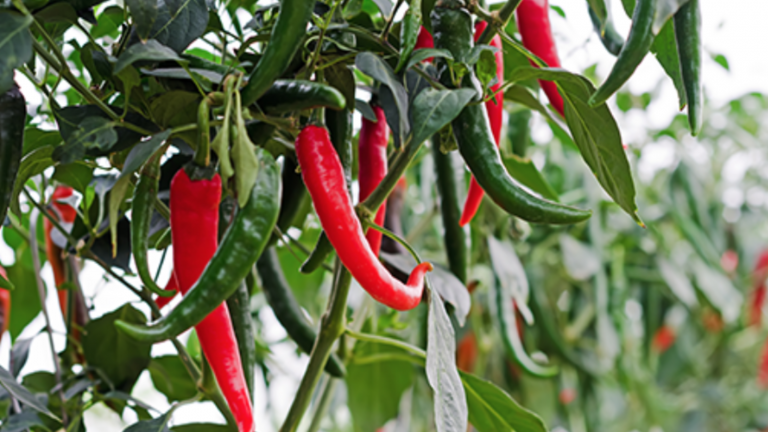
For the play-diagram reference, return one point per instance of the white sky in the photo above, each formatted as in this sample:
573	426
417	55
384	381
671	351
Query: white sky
736	29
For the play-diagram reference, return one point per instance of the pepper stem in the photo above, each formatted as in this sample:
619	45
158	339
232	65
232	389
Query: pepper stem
203	151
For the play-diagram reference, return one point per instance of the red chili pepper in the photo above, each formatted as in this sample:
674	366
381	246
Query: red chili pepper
194	232
567	395
663	339
172	285
466	352
424	40
5	306
762	371
324	177
536	31
759	275
65	214
495	108
372	149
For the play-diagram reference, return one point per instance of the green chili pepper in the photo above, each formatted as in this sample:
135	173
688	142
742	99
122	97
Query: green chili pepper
294	194
688	37
339	125
287	309
240	311
13	114
453	31
240	248
141	215
285	40
504	312
611	39
296	95
450	207
632	53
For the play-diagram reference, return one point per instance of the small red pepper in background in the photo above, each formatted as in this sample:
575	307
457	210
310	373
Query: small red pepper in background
762	371
5	306
65	214
372	149
495	108
663	339
566	396
759	275
172	285
194	233
466	352
324	177
536	32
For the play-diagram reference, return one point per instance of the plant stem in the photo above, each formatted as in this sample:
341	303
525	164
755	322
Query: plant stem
390	21
498	21
329	389
332	327
367	337
41	293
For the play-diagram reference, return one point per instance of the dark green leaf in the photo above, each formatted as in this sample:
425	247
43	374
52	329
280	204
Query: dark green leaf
179	22
365	110
35	138
25	299
144	13
77	175
108	23
171	378
433	109
152	50
422	54
15	45
493	410
524	171
341	77
722	61
523	96
94	132
120	358
409	32
142	151
378	69
22	394
450	401
159	424
23	421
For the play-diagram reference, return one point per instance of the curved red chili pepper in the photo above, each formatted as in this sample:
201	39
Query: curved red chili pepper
5	305
324	177
495	108
172	285
663	339
194	233
536	32
372	149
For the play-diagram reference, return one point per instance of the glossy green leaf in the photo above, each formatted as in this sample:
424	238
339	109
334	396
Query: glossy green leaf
493	410
433	109
152	51
144	13
170	377
15	45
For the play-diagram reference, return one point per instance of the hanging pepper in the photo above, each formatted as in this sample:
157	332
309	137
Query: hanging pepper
339	125
142	207
288	311
455	238
5	305
632	53
759	276
611	39
205	291
285	40
536	32
495	108
324	177
296	95
13	115
688	38
453	31
372	151
65	214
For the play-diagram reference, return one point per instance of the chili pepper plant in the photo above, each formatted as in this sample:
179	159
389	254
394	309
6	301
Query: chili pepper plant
356	177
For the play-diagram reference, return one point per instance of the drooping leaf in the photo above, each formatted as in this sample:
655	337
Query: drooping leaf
19	355
116	196
422	54
179	23
450	402
76	174
433	109
32	164
22	394
171	378
665	48
22	421
158	424
142	151
120	358
492	410
376	68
